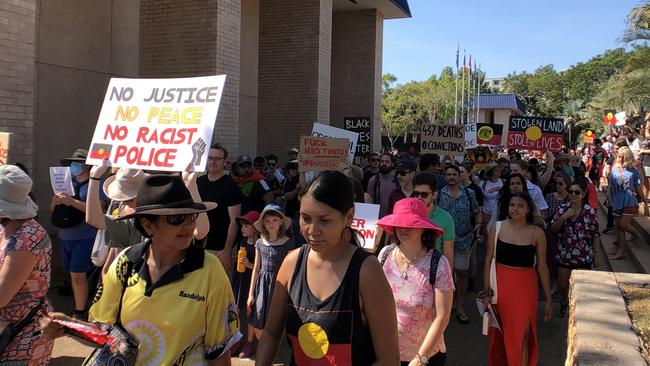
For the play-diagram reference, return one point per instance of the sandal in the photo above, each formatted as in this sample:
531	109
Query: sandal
462	318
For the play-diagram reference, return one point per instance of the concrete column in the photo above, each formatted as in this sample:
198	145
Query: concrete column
186	38
356	68
294	71
17	76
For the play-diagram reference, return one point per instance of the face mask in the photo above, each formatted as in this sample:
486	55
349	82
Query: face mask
76	168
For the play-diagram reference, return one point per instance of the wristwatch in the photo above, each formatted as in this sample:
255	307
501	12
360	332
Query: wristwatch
423	359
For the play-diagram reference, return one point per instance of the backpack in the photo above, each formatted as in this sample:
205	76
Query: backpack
64	216
433	268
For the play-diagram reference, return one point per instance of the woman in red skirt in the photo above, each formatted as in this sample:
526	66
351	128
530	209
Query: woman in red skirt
517	243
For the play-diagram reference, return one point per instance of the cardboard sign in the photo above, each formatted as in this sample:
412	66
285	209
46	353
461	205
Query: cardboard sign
442	139
322	130
361	126
610	117
589	137
322	153
488	134
621	118
61	180
4	147
365	223
157	124
470	136
535	133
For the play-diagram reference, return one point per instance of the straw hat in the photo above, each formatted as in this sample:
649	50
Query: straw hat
124	185
15	185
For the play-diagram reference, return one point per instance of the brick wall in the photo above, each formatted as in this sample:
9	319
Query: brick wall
294	67
356	68
17	76
183	38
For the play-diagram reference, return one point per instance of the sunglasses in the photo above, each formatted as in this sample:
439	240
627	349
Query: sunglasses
271	164
417	194
215	158
577	193
177	220
404	172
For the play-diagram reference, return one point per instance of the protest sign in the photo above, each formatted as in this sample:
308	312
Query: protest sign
365	223
488	134
535	133
621	119
322	153
442	139
322	130
360	125
470	136
609	117
4	147
61	180
589	137
157	124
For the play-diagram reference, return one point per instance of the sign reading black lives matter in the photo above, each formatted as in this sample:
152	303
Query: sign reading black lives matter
535	133
360	125
442	139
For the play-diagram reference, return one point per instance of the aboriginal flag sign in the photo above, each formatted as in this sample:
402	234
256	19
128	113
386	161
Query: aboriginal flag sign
488	134
535	133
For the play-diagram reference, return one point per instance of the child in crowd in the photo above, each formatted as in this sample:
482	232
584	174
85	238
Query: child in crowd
270	251
241	280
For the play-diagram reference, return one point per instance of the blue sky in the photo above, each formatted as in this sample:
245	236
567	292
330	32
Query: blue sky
504	35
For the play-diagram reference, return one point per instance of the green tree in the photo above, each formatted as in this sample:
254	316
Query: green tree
638	22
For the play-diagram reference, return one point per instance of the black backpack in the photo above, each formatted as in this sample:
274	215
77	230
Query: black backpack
64	216
433	268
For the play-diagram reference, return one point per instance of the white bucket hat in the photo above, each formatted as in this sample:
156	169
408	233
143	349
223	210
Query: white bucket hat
259	224
15	185
124	185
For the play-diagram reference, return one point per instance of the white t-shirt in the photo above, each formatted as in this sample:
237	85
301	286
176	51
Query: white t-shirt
536	194
490	194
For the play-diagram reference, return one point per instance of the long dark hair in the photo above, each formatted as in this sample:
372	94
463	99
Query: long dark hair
530	216
505	194
334	189
581	181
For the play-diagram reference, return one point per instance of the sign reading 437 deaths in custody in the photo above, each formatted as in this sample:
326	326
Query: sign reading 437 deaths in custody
535	133
442	139
157	124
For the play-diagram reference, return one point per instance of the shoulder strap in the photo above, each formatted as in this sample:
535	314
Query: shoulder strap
496	238
125	284
433	268
387	250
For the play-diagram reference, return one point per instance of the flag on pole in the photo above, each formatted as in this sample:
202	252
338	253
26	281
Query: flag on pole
462	91
470	66
457	55
456	96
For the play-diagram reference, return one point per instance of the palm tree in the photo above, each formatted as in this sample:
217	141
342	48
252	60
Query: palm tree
638	21
574	112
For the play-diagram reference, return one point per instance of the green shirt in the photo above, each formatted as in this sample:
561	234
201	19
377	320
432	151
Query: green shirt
444	220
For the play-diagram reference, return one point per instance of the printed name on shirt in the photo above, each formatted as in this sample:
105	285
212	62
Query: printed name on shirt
196	297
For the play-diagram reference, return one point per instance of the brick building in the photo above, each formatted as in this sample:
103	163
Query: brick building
289	63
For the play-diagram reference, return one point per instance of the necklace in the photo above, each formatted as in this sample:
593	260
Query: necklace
409	262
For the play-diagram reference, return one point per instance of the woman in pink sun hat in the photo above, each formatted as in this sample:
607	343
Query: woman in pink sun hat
421	280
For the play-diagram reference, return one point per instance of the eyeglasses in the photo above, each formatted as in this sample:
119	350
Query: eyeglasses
177	220
577	193
403	172
215	158
417	194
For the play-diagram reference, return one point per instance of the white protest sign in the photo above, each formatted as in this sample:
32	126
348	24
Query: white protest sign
621	118
442	139
470	136
321	130
157	124
365	223
61	180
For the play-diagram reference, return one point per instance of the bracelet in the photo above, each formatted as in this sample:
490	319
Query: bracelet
94	178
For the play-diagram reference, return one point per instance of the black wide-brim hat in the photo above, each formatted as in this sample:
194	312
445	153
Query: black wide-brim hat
166	194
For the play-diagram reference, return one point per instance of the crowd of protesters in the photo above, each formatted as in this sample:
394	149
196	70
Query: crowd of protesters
187	257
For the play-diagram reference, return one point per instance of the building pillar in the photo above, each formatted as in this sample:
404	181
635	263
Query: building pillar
294	71
187	38
17	77
356	69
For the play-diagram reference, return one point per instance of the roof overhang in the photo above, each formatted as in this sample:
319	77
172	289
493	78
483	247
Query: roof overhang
390	9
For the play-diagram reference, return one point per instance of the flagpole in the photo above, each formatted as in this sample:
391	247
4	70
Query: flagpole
456	97
470	82
462	91
478	99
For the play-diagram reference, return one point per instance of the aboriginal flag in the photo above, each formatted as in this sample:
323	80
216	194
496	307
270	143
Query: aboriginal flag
610	116
101	151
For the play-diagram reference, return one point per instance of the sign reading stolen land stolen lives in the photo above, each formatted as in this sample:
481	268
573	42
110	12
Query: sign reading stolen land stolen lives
323	153
157	124
4	147
365	223
535	133
442	139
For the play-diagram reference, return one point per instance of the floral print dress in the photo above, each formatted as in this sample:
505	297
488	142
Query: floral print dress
28	348
574	241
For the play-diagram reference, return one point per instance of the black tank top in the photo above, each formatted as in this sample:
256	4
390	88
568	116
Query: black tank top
328	332
514	255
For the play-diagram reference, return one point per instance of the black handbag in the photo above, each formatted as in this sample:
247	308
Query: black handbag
64	216
12	330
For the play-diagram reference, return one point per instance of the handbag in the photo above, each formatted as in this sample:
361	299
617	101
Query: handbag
122	347
100	249
65	217
11	330
493	267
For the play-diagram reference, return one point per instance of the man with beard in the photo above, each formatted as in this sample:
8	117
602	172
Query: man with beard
253	186
371	169
381	185
461	203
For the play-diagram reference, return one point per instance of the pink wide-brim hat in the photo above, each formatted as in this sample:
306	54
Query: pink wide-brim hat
409	213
